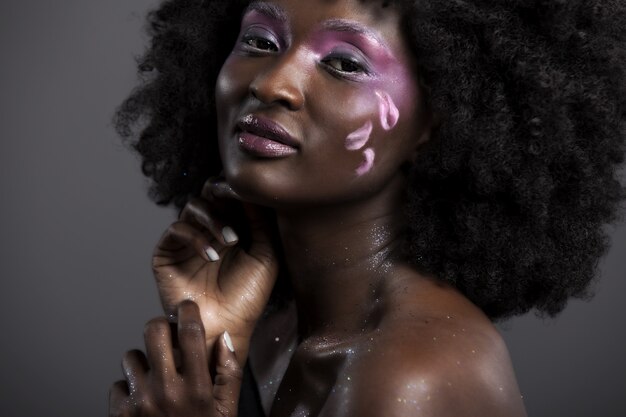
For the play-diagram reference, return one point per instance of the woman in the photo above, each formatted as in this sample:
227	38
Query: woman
412	170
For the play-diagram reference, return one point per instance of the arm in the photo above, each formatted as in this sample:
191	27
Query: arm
200	257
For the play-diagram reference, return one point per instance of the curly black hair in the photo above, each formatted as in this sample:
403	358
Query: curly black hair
509	198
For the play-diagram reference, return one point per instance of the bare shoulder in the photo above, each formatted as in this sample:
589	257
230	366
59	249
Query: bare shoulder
438	367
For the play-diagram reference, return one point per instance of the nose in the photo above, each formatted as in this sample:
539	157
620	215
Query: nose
282	82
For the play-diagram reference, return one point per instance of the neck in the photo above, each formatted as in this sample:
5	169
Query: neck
341	260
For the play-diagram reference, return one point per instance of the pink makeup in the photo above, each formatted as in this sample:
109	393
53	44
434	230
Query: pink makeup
348	50
357	139
389	113
345	49
359	36
367	165
263	22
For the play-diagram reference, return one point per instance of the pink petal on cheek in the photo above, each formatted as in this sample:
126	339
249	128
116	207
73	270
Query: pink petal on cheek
367	165
383	109
389	113
358	138
394	114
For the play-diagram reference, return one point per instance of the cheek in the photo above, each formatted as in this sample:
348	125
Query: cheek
224	92
232	82
231	89
384	115
225	85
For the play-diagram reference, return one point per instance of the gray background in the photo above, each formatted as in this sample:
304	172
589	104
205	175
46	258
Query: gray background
77	233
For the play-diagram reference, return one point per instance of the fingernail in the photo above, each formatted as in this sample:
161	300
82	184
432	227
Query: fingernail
212	254
229	342
229	235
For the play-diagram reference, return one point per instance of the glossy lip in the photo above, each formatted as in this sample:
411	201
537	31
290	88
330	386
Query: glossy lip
267	129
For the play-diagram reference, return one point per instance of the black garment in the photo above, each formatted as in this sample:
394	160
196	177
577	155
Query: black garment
249	400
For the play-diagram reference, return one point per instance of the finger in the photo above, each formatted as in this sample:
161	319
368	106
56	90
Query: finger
199	211
193	350
118	400
227	378
158	341
173	322
224	200
262	243
135	367
218	188
182	234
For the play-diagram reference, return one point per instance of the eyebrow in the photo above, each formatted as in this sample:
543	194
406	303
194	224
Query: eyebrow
342	25
335	25
268	9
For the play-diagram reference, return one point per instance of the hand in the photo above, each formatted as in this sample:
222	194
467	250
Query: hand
231	291
156	387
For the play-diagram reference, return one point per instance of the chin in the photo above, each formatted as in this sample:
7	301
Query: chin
283	185
276	193
258	187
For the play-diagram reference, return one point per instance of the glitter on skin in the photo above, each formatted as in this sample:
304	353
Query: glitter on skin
357	139
301	411
389	113
367	165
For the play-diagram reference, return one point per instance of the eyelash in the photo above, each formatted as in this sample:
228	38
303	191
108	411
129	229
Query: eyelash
270	46
358	67
248	39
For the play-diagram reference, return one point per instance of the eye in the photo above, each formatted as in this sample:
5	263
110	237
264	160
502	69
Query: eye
345	65
260	43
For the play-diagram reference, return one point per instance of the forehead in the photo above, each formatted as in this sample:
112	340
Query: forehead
354	5
348	15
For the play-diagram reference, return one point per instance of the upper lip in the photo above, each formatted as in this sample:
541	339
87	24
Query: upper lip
266	128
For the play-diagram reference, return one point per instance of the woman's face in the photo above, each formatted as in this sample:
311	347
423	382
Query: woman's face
318	102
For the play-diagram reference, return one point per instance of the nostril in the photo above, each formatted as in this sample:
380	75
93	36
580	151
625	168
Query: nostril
278	92
282	85
258	93
253	92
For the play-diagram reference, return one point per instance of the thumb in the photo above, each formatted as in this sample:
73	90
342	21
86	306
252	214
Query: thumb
228	376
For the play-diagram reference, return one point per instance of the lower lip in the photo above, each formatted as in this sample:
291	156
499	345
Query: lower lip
264	147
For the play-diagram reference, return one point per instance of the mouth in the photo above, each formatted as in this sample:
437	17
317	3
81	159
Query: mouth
265	138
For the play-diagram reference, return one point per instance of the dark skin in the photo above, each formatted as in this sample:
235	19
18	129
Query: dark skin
176	381
366	334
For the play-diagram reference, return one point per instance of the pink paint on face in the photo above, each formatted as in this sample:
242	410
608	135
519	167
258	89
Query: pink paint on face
357	139
389	113
347	50
368	164
352	51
